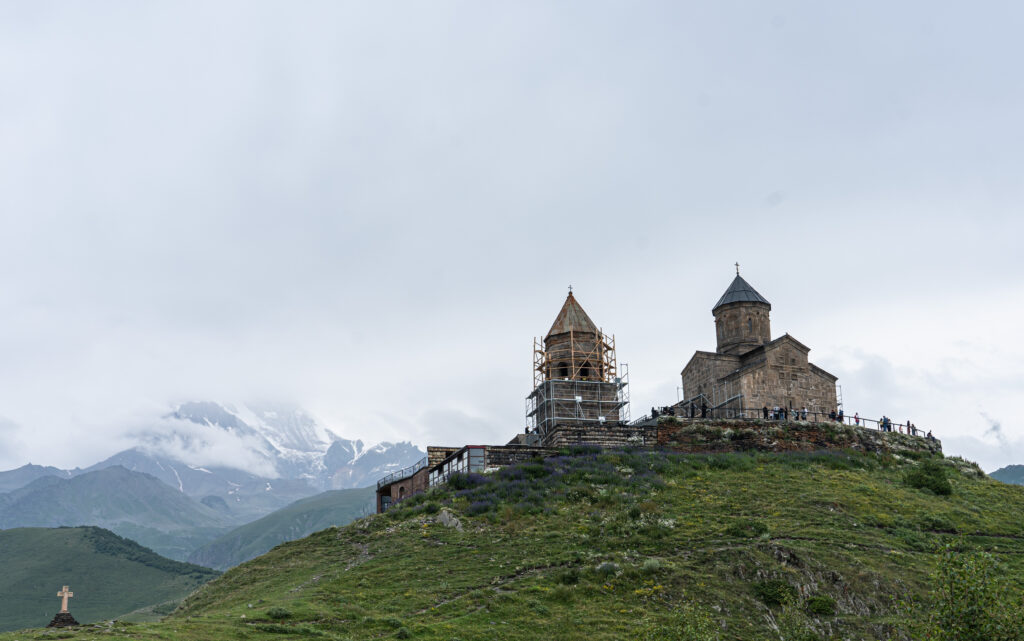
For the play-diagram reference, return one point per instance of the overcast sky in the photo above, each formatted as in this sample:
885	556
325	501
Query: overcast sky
371	209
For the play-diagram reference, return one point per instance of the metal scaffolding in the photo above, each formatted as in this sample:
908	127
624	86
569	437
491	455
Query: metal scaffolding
576	378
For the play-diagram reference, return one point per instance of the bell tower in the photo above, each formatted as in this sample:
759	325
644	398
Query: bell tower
741	318
575	373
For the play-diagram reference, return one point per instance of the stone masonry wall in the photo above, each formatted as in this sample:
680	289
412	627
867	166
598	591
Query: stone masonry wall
702	374
607	435
786	378
740	327
501	455
743	435
436	454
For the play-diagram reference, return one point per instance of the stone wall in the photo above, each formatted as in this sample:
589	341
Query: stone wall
502	455
716	435
784	377
606	435
436	454
740	327
703	373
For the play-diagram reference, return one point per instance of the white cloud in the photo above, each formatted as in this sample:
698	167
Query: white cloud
371	211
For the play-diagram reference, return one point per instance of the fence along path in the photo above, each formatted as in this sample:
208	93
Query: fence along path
750	413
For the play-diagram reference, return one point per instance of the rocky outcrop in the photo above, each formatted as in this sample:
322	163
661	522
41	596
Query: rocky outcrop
723	435
62	620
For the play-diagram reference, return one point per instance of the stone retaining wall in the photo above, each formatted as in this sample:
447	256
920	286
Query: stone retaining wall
502	455
606	435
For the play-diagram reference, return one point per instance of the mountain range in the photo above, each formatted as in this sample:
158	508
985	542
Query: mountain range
1013	474
134	505
202	470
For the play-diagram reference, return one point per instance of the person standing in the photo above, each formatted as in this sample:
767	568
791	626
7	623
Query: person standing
856	418
764	410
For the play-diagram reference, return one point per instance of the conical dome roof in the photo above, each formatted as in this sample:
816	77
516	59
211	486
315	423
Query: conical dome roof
740	291
572	317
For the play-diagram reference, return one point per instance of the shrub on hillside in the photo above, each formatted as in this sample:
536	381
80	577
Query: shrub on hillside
821	605
607	570
479	507
929	475
774	592
460	481
278	613
651	566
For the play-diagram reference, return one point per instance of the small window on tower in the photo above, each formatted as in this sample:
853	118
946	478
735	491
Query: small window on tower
750	326
563	370
585	371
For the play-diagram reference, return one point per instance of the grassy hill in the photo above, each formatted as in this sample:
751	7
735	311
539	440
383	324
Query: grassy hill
131	504
603	546
337	507
109	575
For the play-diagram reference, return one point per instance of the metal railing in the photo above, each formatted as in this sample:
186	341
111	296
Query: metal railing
750	413
402	473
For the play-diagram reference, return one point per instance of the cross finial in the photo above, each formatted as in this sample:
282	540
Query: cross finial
65	594
737	269
570	289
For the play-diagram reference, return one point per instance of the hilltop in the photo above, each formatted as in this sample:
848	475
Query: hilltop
613	545
109	575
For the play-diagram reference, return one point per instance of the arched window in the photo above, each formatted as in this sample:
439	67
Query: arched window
585	371
563	370
750	326
401	491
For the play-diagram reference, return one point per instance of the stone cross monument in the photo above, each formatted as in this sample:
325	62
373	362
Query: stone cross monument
64	601
63	618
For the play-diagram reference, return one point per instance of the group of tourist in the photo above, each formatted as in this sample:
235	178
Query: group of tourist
691	408
778	413
885	424
782	414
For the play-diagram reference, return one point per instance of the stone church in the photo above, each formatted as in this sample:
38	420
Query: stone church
749	369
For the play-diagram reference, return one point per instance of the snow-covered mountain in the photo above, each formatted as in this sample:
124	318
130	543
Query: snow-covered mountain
244	459
351	464
277	440
231	463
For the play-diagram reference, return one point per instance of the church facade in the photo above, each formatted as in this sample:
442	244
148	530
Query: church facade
749	369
